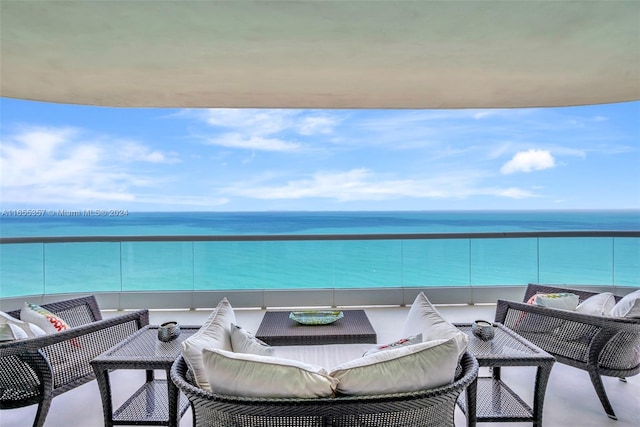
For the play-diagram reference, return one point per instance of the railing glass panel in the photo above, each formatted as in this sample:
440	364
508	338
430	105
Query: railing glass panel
82	267
626	261
314	262
503	261
21	269
576	260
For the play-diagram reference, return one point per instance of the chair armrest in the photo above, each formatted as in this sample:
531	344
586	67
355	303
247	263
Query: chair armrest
618	324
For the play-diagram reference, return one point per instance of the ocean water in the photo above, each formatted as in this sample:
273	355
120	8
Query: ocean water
124	223
27	269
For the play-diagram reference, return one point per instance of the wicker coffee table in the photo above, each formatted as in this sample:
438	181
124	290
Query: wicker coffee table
277	329
156	402
489	398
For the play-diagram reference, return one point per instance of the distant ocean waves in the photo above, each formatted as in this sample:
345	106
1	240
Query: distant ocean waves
231	223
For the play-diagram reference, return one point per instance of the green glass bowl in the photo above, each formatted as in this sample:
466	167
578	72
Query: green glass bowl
316	317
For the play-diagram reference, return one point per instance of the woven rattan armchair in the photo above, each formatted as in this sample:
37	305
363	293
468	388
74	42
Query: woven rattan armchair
35	370
433	407
600	345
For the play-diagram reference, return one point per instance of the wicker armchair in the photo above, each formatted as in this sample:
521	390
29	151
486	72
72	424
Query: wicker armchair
417	409
35	370
599	345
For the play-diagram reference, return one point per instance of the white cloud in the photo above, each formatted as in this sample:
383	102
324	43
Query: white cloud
236	140
61	165
363	184
134	152
527	161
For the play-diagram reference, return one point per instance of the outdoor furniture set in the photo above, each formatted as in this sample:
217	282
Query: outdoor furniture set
595	332
292	374
412	382
40	366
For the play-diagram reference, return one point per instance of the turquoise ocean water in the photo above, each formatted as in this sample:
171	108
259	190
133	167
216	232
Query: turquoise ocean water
133	266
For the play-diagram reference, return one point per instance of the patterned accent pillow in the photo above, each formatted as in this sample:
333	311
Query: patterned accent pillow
402	342
43	318
559	300
243	341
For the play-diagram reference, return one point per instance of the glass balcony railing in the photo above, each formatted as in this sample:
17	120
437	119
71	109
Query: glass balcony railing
52	265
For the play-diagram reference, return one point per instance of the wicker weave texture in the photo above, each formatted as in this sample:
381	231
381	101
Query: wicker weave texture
35	370
600	345
415	409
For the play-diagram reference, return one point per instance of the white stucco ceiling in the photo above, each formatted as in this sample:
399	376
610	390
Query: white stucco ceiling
321	54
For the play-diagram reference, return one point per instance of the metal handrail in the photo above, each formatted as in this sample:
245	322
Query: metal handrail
312	237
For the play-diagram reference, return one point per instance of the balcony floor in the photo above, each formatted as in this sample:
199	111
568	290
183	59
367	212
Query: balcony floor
570	398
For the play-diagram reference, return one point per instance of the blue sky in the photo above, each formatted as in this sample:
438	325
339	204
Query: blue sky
57	156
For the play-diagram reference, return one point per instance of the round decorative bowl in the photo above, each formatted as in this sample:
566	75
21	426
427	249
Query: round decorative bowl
483	329
316	317
168	331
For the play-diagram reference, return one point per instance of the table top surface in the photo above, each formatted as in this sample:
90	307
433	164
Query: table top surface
506	348
277	328
144	347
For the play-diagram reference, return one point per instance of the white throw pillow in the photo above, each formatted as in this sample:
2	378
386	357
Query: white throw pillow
43	318
402	342
29	329
423	318
214	333
597	305
253	375
11	332
243	341
628	306
416	367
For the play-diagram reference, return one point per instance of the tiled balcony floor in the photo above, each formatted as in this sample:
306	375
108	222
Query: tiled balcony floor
570	398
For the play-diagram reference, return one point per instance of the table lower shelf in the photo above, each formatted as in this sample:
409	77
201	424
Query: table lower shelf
496	402
149	405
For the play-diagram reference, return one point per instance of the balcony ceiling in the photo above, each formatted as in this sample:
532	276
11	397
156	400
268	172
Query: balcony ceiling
321	54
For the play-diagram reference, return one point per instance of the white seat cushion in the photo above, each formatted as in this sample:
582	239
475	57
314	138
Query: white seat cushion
214	333
253	375
411	368
326	355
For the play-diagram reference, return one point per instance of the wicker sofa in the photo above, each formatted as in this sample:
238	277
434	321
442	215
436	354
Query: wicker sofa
600	345
35	370
433	407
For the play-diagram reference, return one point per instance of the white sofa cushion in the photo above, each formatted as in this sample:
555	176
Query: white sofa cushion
416	367
423	318
243	341
326	355
597	305
214	333
628	306
252	375
30	329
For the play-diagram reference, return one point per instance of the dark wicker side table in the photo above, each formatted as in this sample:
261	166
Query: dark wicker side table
277	329
489	399
156	402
